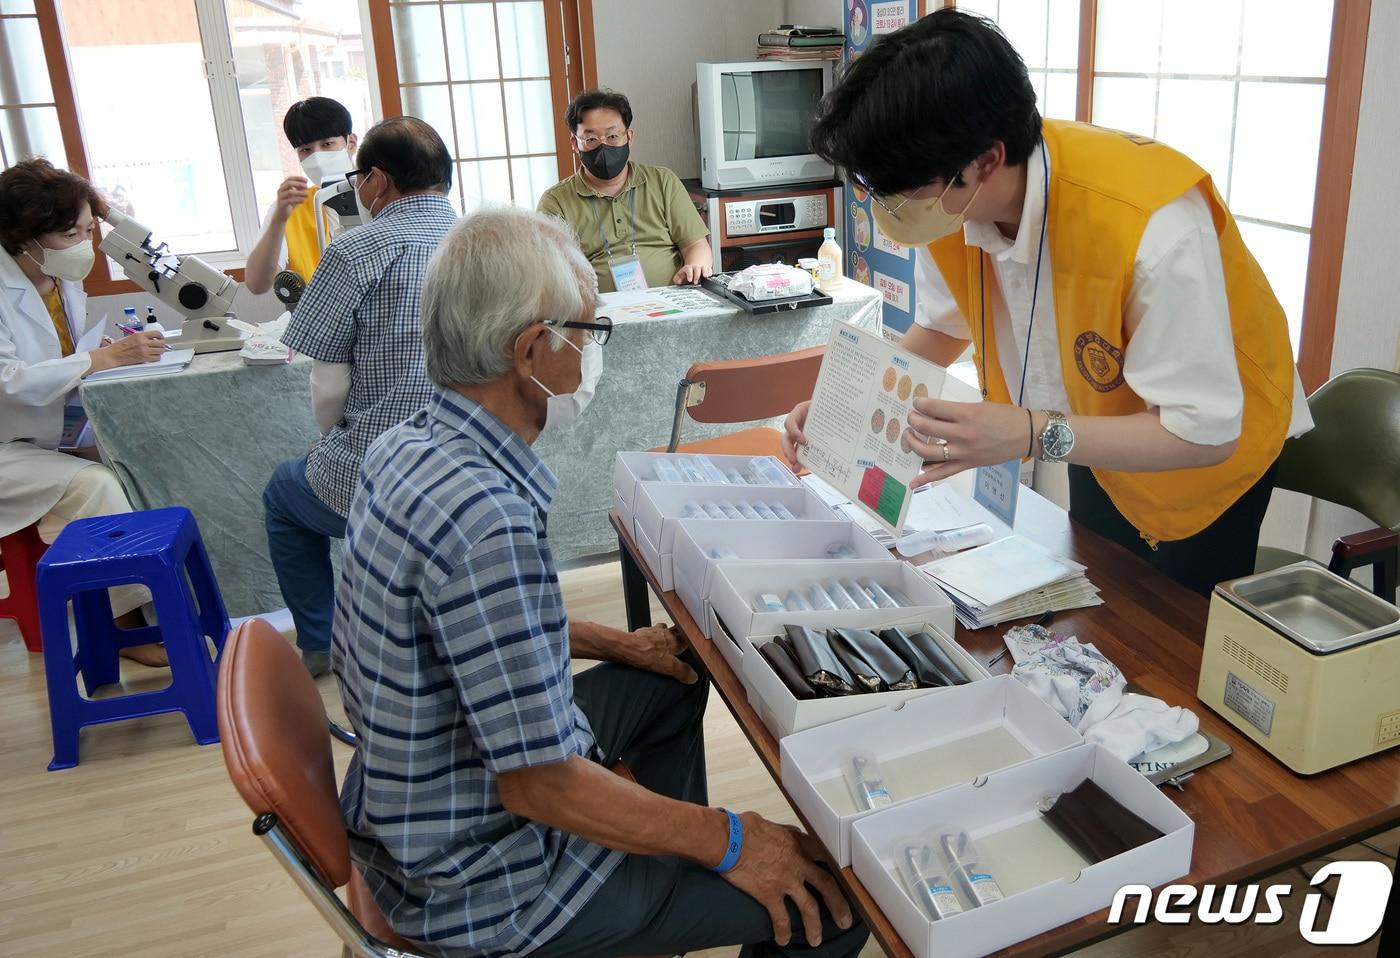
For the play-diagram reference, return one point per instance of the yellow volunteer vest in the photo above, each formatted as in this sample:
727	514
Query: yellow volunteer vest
1104	186
303	252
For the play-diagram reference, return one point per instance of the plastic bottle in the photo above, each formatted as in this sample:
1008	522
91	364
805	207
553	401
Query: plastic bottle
878	592
954	540
767	602
691	469
768	472
829	261
666	472
694	511
129	319
734	478
713	511
151	322
840	550
746	510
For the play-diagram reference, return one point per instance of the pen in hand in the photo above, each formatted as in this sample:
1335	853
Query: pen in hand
130	330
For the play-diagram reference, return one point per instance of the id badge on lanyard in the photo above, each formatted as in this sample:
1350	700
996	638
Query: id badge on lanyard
627	273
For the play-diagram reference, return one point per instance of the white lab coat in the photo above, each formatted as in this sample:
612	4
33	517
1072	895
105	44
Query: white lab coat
35	382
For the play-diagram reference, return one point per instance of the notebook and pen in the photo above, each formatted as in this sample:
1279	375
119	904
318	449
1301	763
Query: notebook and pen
171	361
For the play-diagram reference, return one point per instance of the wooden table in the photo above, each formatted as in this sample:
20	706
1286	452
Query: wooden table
1253	815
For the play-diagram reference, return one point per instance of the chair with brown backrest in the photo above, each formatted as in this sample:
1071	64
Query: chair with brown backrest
744	390
273	728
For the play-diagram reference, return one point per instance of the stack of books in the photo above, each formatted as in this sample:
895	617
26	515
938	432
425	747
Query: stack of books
791	42
1010	578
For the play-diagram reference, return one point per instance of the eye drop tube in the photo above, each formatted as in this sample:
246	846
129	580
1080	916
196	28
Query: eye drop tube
694	511
879	594
867	783
763	511
967	869
858	595
839	597
794	602
665	471
781	511
840	550
927	883
770	472
767	602
690	469
746	510
713	473
735	479
713	511
821	602
728	509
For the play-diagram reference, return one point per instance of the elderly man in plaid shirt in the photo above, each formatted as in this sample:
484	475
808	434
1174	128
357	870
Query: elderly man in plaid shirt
479	802
359	322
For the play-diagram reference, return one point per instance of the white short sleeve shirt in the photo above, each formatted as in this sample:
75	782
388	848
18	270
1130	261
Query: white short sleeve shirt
1180	357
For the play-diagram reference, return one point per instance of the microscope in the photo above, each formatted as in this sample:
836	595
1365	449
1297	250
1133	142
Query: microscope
187	284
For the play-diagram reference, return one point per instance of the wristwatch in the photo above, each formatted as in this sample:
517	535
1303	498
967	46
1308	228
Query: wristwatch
1057	439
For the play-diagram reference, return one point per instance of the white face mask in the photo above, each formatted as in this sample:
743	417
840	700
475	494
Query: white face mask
565	409
366	209
72	263
326	164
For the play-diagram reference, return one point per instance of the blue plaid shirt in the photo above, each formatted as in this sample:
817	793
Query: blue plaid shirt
361	307
452	650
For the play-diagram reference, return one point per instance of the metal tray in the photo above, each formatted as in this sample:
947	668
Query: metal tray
719	285
1315	608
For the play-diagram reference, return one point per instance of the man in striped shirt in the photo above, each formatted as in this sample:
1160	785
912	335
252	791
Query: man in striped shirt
480	804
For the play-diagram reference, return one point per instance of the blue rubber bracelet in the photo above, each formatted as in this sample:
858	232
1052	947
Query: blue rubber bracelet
735	846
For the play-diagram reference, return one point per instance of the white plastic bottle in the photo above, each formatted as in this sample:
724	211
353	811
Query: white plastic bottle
829	273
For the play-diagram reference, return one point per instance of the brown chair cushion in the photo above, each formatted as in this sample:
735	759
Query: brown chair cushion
759	441
276	745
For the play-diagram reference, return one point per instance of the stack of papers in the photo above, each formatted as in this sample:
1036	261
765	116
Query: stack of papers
171	361
1010	579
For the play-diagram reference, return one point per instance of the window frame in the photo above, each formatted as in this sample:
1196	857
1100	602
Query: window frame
570	46
1341	107
216	42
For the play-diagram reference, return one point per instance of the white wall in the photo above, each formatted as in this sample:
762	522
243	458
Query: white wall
1368	301
815	13
647	49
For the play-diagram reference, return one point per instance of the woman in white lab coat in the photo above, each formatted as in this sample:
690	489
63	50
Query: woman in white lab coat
47	345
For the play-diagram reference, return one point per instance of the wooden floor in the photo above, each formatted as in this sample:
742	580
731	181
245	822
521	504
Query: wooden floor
144	848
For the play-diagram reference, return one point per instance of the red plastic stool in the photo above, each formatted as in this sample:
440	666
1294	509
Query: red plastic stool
19	554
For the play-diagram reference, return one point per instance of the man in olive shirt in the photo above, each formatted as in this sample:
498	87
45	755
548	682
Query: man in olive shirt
635	222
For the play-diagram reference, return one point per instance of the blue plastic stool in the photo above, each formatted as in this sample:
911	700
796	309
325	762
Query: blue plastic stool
157	549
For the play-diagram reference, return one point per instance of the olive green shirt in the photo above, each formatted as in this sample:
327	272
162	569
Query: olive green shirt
665	217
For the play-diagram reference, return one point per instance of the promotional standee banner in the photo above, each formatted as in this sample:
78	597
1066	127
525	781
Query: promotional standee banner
871	258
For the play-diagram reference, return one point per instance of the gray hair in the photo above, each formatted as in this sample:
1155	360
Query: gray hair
498	271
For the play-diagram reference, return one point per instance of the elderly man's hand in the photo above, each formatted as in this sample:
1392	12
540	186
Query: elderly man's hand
689	275
655	649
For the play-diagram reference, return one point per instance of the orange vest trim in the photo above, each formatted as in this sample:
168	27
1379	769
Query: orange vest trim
1104	187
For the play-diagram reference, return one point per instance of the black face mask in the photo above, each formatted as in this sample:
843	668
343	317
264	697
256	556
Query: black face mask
605	161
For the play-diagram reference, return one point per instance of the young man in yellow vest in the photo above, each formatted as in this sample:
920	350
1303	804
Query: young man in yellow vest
1117	320
319	129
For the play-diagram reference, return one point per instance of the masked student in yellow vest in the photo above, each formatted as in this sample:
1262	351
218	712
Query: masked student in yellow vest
319	129
1117	320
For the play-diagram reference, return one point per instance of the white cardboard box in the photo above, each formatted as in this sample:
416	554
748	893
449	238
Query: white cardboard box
784	714
660	508
1045	882
734	648
734	584
632	468
922	746
808	540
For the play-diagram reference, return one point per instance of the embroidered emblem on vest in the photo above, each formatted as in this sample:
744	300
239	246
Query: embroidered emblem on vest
1099	361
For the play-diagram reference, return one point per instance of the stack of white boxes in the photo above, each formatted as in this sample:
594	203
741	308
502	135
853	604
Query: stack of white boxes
982	757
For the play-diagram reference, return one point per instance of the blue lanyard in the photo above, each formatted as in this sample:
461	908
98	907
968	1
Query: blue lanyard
1035	289
632	213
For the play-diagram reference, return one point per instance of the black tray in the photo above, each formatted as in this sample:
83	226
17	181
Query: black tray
719	285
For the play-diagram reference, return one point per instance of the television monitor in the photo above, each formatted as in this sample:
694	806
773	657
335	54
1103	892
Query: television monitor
755	120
